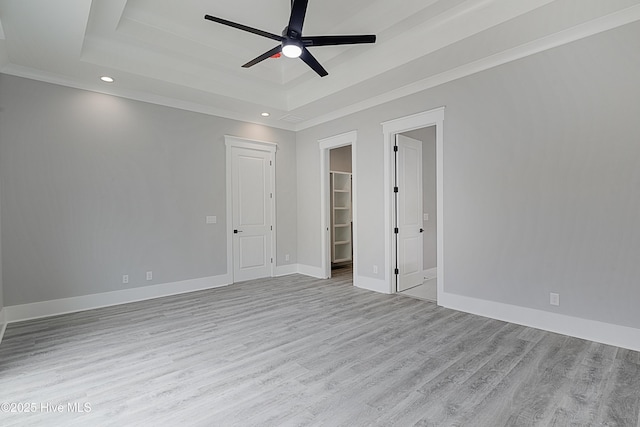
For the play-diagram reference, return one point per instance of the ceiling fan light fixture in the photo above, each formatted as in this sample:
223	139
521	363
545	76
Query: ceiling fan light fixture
292	43
292	49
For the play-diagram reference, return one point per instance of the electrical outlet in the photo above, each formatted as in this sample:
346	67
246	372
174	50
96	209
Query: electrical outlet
125	278
149	275
554	299
375	269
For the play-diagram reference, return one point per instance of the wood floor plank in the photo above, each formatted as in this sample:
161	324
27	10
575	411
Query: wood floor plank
299	351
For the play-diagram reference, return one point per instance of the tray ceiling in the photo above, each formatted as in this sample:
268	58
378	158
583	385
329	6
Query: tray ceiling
163	51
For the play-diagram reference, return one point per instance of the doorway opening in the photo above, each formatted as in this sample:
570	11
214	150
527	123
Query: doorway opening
415	207
340	209
339	205
408	255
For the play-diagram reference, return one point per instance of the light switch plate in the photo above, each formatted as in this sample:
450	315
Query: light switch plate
425	217
211	219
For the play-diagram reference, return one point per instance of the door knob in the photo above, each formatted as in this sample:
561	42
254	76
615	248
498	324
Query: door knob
237	231
421	230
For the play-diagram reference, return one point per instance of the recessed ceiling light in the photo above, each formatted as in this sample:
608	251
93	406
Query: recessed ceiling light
107	79
265	114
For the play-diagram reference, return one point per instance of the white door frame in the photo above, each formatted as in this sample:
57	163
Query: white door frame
326	144
390	128
234	141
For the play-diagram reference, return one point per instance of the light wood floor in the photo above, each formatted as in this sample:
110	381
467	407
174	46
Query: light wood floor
301	351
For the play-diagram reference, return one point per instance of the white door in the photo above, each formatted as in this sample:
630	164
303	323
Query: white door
409	212
251	213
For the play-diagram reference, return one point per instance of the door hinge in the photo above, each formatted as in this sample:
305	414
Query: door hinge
396	230
395	189
396	271
272	228
395	148
271	260
271	195
270	163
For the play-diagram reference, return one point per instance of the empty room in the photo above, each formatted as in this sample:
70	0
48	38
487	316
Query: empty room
337	213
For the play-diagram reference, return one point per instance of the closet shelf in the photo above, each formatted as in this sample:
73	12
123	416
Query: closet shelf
341	233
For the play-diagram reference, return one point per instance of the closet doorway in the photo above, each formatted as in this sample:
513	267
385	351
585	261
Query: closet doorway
340	209
338	184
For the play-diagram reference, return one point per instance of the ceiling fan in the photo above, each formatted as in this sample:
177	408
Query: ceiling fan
292	43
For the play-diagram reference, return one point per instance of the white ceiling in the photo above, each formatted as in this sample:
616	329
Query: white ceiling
163	51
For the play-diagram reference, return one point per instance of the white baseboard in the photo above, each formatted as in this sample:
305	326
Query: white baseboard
309	270
16	313
592	330
285	270
371	284
430	273
3	324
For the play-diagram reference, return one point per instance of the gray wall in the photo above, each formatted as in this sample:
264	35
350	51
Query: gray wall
541	180
429	202
1	285
95	186
340	159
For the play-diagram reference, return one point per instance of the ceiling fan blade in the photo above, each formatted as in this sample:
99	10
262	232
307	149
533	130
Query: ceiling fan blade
244	28
337	40
264	56
296	20
312	62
